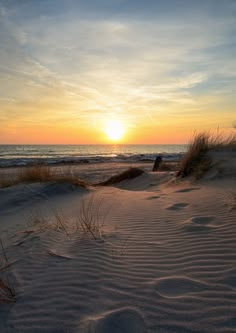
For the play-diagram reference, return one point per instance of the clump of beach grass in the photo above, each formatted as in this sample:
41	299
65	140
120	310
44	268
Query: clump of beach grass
196	155
197	161
39	223
35	173
220	141
90	218
127	174
41	173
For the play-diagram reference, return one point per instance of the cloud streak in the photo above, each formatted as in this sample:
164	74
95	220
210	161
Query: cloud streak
69	64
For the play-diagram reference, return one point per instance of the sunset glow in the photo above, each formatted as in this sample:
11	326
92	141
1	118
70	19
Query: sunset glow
114	130
162	68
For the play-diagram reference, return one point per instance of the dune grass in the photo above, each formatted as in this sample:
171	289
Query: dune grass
41	173
127	174
196	155
197	161
220	141
35	173
90	218
40	222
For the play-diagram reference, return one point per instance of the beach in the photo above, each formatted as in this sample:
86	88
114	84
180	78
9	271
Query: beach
92	173
149	254
117	166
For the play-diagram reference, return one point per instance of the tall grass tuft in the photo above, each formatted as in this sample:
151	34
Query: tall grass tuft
41	173
197	161
220	141
90	218
196	155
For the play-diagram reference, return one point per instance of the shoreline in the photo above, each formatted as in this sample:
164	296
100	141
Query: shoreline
57	155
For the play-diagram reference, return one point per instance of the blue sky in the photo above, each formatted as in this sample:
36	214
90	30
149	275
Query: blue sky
157	66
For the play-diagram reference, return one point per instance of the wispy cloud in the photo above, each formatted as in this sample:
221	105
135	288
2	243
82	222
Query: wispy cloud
71	64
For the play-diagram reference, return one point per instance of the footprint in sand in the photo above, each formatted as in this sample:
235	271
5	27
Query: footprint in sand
203	220
178	206
200	223
179	286
153	197
189	189
124	320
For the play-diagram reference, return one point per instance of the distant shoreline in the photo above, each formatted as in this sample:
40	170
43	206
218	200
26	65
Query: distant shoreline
17	156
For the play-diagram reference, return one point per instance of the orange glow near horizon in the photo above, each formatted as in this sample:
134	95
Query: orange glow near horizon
112	132
64	127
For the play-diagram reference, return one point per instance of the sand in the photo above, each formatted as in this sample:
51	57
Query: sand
161	257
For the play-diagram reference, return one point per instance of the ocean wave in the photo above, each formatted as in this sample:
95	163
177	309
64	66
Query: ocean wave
103	158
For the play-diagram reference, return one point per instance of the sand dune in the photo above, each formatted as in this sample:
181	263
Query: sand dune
163	259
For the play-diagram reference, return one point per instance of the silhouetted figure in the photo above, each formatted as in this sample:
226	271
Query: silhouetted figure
157	163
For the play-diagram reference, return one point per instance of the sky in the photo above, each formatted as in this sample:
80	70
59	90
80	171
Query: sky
73	71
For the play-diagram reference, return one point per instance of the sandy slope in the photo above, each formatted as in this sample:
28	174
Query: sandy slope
166	261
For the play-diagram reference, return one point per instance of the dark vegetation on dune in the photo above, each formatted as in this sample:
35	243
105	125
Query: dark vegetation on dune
127	174
41	173
197	161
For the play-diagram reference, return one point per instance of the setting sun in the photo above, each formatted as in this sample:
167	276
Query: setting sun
114	130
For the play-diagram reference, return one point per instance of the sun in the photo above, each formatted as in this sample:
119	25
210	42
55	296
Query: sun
114	130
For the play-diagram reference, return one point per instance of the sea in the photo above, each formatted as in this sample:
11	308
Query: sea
23	155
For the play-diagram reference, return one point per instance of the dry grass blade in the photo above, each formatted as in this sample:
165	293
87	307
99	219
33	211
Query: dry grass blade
221	141
87	218
7	291
90	219
195	156
41	223
60	222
